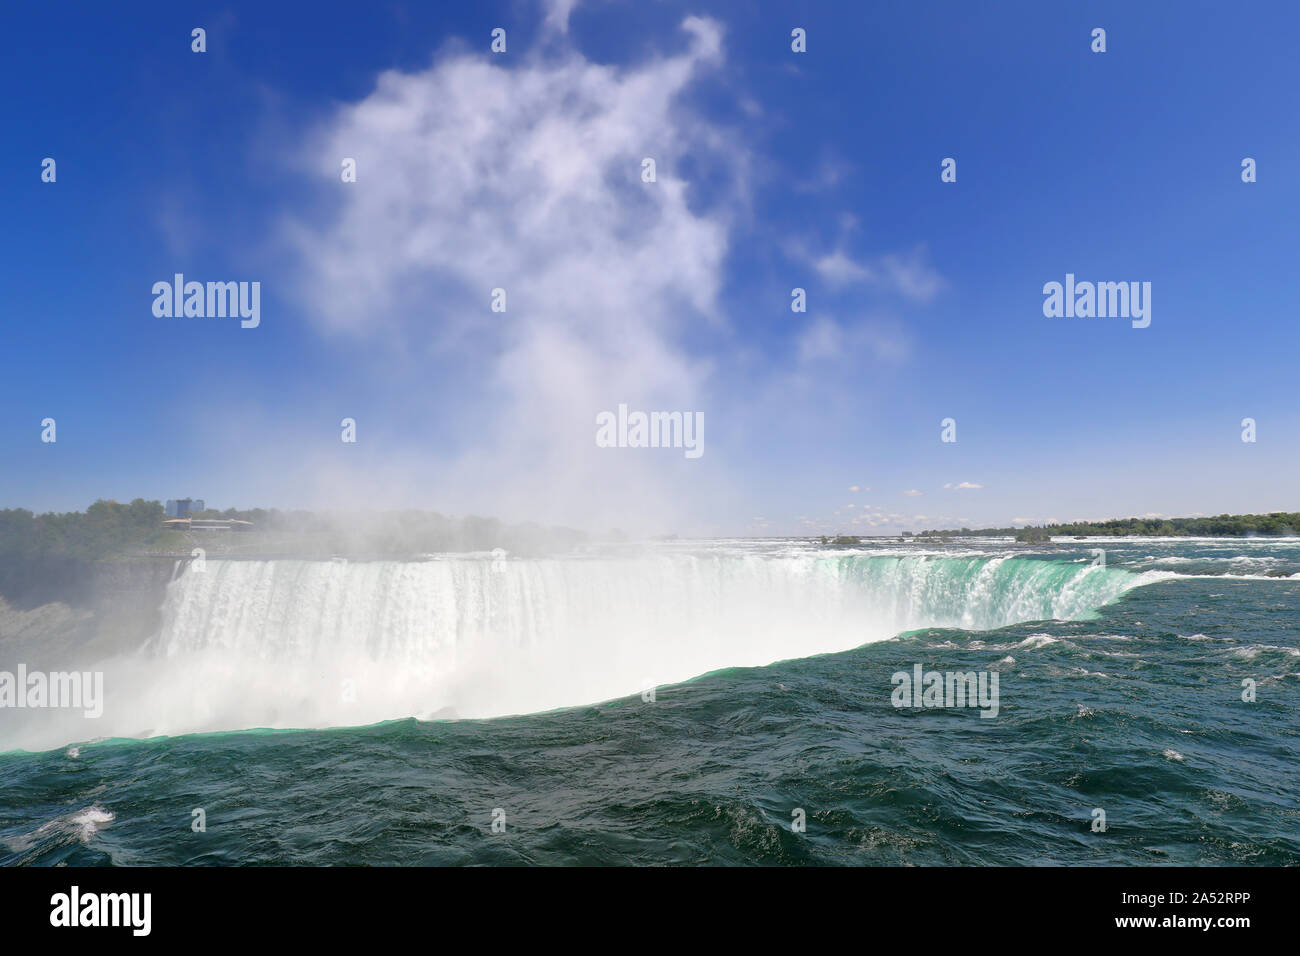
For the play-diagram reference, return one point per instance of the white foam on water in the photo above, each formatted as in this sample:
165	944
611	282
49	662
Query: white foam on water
1251	651
80	825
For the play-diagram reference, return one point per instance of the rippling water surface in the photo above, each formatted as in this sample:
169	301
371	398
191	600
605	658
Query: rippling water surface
1120	683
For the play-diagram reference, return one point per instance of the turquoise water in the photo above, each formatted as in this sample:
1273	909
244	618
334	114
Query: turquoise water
1129	702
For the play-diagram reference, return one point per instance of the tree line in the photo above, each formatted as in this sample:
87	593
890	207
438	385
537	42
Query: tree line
1220	526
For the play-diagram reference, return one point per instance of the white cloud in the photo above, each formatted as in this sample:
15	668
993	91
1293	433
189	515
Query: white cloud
913	493
962	486
837	268
557	14
824	339
910	275
828	174
475	175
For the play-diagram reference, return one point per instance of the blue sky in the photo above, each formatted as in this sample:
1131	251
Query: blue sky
775	170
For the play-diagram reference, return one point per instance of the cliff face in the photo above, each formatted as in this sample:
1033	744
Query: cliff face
130	578
126	596
47	625
90	610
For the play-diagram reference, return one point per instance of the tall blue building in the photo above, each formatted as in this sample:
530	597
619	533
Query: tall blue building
183	507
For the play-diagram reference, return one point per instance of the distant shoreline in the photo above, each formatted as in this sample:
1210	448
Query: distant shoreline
1275	524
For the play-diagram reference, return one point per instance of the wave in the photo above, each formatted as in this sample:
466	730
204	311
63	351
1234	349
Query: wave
80	826
301	644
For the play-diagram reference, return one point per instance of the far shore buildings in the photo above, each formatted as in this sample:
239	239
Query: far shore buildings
183	507
181	517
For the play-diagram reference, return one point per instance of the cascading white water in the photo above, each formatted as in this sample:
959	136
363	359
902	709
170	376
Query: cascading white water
316	643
